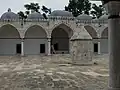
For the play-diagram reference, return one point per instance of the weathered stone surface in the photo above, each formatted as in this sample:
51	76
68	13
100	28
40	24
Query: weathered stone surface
82	52
66	77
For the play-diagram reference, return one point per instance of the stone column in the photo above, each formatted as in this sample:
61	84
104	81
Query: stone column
114	43
49	46
22	47
99	52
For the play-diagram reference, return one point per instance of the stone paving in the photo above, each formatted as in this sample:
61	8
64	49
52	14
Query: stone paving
52	73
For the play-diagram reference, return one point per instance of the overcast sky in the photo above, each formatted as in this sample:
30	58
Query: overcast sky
17	5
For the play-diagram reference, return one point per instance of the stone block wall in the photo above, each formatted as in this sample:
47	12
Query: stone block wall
81	52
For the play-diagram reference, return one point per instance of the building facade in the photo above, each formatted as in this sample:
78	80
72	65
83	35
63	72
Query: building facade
36	35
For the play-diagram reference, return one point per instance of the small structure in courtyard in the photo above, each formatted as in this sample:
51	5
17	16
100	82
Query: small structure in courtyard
82	48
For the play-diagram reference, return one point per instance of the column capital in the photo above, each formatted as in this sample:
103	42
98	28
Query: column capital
106	1
112	7
49	39
22	39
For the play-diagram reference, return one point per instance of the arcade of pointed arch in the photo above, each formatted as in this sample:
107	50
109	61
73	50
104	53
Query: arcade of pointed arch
36	35
95	31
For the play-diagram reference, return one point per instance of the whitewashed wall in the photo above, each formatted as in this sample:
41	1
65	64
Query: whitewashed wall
104	46
32	46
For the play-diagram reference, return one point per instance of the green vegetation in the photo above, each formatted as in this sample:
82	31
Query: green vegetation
77	7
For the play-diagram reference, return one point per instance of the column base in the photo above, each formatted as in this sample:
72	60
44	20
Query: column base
110	88
22	55
99	53
49	54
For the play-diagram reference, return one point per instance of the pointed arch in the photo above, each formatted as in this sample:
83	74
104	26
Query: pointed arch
91	31
35	31
104	41
35	41
9	31
9	39
104	33
61	35
65	27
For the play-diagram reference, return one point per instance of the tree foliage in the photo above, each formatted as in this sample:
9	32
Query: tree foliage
22	15
97	11
46	11
32	7
78	7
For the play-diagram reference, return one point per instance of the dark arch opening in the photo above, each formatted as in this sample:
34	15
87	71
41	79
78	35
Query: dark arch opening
91	31
60	38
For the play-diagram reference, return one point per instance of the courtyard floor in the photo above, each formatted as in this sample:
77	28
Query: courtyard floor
52	73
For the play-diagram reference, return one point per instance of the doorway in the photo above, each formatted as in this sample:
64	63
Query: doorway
42	48
96	48
18	48
56	46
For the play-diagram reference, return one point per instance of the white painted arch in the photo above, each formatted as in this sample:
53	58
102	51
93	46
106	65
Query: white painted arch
35	31
9	31
35	36
9	38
